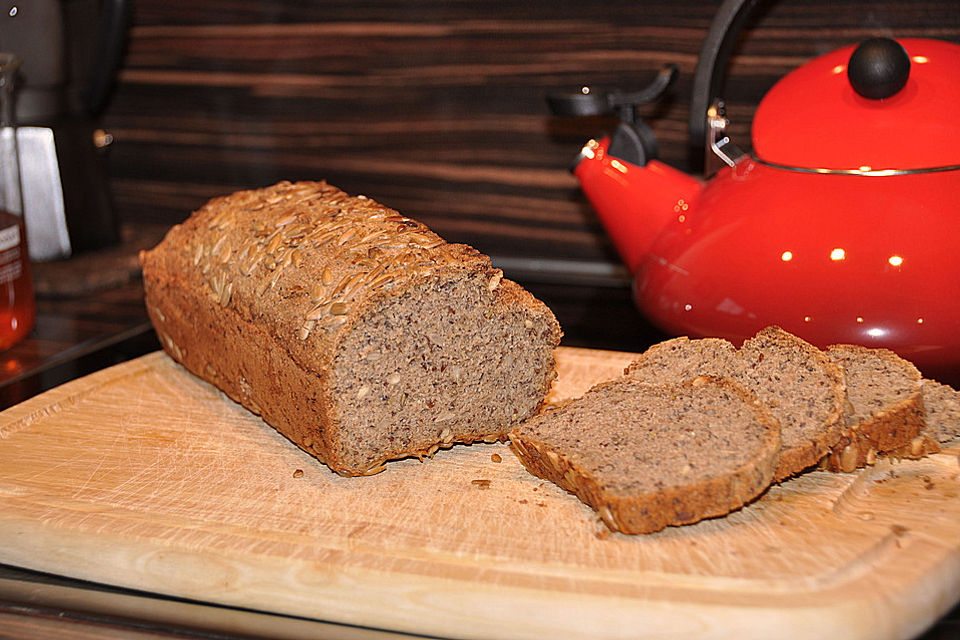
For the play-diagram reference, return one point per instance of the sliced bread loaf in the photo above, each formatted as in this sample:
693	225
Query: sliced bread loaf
802	387
355	331
884	410
646	456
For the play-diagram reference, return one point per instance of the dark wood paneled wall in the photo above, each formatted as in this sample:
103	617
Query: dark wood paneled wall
437	108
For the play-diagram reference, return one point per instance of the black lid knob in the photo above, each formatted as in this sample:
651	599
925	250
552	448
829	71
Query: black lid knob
878	68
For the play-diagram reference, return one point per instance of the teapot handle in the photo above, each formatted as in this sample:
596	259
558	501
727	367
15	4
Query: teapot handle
114	20
710	71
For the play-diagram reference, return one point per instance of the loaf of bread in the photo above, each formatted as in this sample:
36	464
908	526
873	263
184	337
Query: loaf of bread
646	456
355	331
802	387
884	409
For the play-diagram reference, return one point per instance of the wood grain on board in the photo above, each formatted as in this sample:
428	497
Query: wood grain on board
142	476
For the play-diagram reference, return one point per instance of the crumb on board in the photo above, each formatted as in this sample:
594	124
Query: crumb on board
298	473
481	483
496	457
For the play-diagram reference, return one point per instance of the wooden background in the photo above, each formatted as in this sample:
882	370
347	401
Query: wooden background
437	109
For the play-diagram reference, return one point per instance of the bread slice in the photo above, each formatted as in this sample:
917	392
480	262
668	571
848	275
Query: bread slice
802	387
884	410
941	411
681	358
647	456
804	390
353	330
940	421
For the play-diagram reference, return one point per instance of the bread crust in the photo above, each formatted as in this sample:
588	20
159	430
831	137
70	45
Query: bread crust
242	360
651	511
257	291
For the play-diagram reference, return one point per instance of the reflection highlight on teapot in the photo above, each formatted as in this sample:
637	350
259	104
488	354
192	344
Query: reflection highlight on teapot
839	254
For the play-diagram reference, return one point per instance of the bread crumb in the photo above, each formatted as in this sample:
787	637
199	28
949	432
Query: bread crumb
481	483
496	457
298	473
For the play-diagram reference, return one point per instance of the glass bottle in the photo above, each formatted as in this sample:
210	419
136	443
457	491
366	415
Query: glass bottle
16	287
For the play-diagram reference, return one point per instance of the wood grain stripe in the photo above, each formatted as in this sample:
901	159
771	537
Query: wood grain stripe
437	108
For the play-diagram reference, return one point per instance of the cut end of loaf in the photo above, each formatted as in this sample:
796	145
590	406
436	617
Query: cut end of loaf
447	361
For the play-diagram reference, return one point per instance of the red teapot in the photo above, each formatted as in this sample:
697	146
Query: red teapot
841	225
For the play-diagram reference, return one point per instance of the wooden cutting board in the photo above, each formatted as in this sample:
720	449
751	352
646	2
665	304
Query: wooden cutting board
143	476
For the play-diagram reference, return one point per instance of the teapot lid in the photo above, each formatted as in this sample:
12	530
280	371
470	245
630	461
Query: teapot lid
877	107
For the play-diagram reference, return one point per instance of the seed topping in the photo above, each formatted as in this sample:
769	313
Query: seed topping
257	241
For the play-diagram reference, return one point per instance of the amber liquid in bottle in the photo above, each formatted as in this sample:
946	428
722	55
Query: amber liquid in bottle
16	287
